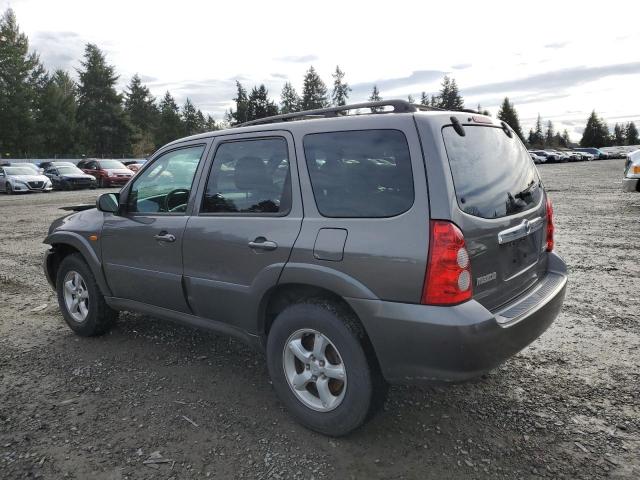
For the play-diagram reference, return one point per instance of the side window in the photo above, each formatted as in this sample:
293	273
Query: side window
249	176
165	187
363	173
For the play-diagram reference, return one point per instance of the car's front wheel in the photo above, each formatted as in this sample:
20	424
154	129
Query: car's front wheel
320	368
80	300
8	189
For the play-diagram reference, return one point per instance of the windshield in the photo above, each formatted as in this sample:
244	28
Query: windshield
493	174
111	164
18	171
68	170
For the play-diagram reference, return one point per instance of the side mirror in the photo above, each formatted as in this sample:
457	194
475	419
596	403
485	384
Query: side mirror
108	202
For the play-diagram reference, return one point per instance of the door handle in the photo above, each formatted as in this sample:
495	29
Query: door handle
262	243
165	237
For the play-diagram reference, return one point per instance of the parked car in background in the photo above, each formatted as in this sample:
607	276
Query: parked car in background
597	153
56	163
134	165
7	163
108	173
631	180
69	177
562	157
585	156
537	158
550	157
358	288
23	179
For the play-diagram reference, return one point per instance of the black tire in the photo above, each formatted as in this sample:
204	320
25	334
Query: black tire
100	317
8	189
365	388
101	182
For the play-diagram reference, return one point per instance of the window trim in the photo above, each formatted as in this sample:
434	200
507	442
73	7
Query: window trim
286	213
148	165
313	193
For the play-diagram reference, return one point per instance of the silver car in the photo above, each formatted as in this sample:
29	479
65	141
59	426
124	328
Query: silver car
22	179
631	180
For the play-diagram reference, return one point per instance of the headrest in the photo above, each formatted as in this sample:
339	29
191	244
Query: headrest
250	174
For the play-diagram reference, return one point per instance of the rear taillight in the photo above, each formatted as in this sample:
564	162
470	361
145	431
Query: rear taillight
448	277
550	227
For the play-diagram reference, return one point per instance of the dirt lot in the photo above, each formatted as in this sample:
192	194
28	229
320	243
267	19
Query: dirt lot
566	407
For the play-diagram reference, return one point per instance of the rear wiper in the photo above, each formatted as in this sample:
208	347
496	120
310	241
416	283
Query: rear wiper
527	190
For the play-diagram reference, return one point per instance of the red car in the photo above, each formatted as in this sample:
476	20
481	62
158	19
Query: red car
134	165
108	173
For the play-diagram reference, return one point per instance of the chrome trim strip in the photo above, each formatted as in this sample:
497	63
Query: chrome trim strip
527	227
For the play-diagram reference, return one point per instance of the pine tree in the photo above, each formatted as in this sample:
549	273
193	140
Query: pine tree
424	99
100	115
596	132
375	97
549	134
536	135
289	99
619	134
210	124
410	99
509	115
189	118
57	120
341	89
200	122
140	105
259	104
242	104
449	98
22	84
632	137
566	140
170	125
314	91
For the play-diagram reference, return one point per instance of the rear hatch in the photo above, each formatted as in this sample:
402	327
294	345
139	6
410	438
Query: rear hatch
502	210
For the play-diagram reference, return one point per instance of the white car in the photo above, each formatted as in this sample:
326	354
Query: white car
631	180
23	179
537	158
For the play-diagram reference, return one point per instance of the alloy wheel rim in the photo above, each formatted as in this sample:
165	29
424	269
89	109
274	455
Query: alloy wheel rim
76	296
314	370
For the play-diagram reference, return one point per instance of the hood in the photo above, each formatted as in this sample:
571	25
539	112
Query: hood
77	175
29	178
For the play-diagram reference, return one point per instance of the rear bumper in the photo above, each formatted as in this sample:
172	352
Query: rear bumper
630	184
421	343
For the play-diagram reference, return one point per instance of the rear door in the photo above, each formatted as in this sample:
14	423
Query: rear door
501	210
247	219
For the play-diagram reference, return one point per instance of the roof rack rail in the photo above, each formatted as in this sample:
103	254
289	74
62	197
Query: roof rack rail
399	106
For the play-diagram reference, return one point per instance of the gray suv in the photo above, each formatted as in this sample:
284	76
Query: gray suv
405	245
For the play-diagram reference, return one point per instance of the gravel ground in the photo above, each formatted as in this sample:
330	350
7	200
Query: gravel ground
154	400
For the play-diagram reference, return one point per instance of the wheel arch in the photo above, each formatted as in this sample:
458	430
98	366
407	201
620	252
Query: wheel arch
67	243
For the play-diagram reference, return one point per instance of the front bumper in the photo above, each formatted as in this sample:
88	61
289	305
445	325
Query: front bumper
630	184
422	343
116	181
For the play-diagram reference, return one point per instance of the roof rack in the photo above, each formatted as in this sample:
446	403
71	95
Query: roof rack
399	106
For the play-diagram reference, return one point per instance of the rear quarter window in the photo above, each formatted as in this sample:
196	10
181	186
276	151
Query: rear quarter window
493	175
360	174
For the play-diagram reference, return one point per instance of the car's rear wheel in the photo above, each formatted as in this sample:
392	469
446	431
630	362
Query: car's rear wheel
80	300
101	182
321	371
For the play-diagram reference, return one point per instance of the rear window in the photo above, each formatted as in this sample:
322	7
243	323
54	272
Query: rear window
364	173
493	174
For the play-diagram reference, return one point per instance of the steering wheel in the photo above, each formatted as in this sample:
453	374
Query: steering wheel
169	199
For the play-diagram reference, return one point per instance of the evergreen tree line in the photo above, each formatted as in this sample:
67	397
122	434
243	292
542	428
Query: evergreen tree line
46	114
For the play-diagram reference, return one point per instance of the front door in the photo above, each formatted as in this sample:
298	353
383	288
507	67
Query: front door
243	228
142	248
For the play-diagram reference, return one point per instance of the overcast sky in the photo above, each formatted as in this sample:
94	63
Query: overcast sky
559	59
